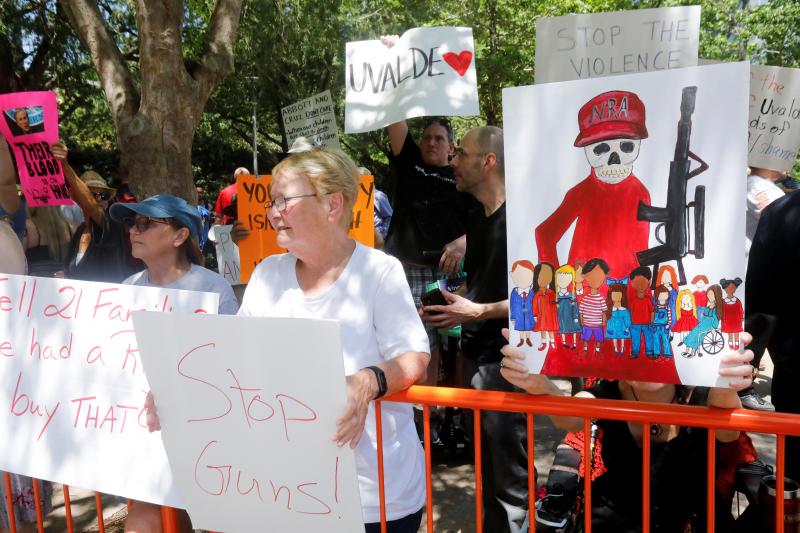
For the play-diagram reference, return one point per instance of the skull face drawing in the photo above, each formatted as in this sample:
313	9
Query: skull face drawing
612	159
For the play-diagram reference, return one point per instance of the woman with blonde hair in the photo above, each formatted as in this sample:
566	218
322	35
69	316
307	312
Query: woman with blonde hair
47	238
327	275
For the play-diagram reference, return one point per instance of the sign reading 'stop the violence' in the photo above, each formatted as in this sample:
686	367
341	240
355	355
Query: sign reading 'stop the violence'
594	45
312	118
428	71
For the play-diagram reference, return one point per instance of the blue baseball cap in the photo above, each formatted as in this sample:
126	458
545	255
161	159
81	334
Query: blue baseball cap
161	206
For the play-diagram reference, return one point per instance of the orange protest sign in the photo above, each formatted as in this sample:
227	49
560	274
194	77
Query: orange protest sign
253	193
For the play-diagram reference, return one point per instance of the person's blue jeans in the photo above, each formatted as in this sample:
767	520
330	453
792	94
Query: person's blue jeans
637	330
661	341
407	524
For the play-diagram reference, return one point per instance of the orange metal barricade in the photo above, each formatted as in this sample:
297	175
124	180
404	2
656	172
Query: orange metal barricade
779	424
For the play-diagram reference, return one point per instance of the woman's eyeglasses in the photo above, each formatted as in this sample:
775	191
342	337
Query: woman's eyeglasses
143	224
101	196
280	203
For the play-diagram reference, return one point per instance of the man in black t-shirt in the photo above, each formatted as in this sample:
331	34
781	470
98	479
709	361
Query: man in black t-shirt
429	220
773	260
483	312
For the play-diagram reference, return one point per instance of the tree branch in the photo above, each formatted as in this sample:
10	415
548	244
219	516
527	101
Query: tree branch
217	61
115	77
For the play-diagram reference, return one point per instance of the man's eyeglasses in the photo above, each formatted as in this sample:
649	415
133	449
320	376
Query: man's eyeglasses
101	196
281	202
460	152
143	224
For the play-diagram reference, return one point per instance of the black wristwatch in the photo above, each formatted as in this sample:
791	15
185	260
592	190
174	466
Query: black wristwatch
381	378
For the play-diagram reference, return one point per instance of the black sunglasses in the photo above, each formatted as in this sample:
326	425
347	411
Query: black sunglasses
102	195
143	224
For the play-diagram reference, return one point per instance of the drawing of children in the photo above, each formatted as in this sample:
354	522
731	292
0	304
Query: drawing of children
668	278
568	322
618	327
641	306
545	305
712	315
686	318
662	319
700	283
520	303
593	306
733	314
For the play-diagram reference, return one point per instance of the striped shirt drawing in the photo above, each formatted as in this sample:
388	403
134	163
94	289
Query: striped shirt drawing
592	307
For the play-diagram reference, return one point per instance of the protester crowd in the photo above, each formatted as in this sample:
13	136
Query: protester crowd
447	214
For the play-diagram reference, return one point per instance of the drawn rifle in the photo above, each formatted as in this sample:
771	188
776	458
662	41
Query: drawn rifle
674	219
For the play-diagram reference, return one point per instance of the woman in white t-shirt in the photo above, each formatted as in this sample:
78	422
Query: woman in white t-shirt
163	231
384	345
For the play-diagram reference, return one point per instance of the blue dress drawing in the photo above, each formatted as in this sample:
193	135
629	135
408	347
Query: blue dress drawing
619	325
707	322
568	314
521	309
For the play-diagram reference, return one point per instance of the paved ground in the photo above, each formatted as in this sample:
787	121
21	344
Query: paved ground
453	482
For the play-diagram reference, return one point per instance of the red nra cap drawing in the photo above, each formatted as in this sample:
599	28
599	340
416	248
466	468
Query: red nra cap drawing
611	115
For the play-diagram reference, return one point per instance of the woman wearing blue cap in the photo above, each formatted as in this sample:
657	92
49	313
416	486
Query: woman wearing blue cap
164	230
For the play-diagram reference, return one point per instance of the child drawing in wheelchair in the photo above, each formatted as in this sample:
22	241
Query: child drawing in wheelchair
706	333
678	460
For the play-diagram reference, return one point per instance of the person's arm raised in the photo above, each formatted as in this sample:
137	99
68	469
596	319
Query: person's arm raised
80	193
399	130
9	199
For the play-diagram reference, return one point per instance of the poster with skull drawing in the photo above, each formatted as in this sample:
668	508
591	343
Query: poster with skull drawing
625	216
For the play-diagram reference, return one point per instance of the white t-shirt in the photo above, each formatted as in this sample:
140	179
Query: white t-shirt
378	320
196	279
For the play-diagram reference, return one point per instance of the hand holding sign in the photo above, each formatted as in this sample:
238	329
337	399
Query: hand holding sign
427	71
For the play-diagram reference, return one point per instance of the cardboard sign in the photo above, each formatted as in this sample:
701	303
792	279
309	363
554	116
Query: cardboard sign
246	424
429	71
774	133
227	253
30	125
73	388
312	118
262	241
633	171
606	44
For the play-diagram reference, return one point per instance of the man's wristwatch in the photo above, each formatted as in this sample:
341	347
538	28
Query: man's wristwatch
381	379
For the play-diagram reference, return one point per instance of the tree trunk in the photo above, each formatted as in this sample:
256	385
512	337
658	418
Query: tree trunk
155	123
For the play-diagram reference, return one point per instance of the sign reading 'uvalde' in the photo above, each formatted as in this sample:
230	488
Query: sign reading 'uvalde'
72	387
247	409
594	45
312	118
429	71
774	133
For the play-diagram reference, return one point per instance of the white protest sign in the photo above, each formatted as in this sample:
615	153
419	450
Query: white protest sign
312	118
247	409
429	71
227	253
73	389
774	133
612	163
605	44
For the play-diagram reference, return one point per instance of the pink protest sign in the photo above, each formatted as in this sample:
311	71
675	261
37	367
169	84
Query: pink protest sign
30	125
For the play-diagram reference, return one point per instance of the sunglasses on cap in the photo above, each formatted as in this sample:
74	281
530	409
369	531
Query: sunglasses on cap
101	196
143	224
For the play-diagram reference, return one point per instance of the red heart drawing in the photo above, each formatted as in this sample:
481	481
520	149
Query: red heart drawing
459	62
